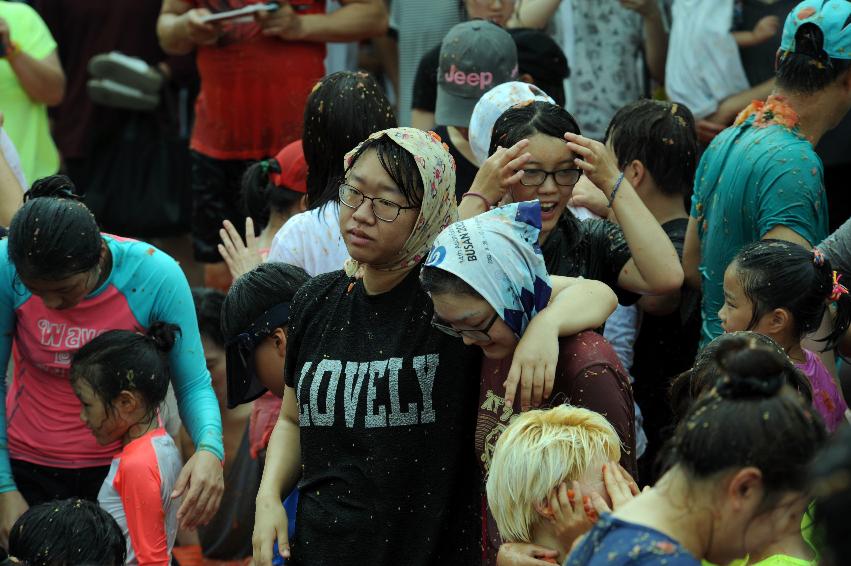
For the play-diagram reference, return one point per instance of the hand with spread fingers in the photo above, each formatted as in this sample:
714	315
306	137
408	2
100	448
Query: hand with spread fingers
240	257
500	171
596	161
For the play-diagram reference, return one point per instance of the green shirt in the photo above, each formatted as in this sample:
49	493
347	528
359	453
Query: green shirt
25	120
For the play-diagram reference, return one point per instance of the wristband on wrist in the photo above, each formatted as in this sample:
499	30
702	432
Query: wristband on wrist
12	50
488	205
615	190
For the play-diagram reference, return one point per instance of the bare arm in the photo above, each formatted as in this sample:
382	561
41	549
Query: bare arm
180	29
11	192
577	304
42	79
280	474
533	13
655	46
691	255
355	20
654	268
787	234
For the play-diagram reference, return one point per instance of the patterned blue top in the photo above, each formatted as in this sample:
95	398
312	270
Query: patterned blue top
613	542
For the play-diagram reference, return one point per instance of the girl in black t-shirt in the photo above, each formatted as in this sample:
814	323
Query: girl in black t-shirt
634	257
379	408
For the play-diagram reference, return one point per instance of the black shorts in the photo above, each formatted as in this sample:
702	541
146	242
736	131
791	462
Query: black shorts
216	197
39	484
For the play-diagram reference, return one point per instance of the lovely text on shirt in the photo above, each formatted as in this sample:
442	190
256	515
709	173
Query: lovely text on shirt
379	377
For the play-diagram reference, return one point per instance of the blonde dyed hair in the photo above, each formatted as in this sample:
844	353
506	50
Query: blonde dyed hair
539	450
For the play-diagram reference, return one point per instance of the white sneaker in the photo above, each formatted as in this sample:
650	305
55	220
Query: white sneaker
129	71
116	95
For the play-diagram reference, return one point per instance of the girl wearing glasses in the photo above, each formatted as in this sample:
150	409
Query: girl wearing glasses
378	414
634	257
487	279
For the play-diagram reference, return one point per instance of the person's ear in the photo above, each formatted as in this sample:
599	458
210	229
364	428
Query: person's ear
745	489
777	321
526	78
635	172
279	335
127	402
543	509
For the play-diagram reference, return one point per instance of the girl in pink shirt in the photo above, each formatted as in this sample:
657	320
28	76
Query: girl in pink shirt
121	377
783	290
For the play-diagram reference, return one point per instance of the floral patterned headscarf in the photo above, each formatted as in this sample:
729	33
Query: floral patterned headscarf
438	209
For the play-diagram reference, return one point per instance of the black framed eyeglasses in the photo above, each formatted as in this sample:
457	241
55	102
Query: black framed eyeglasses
562	177
384	209
474	334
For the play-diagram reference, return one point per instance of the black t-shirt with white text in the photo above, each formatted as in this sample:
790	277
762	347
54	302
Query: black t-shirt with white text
387	412
593	249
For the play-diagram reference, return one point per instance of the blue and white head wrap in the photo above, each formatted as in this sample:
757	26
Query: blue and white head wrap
498	255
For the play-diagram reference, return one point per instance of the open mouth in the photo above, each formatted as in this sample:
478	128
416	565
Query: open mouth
547	207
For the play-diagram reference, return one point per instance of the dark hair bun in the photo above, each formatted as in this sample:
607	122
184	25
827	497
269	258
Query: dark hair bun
809	40
163	335
56	186
753	373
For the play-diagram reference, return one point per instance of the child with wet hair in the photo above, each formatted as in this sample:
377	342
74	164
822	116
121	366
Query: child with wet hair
70	532
120	378
783	290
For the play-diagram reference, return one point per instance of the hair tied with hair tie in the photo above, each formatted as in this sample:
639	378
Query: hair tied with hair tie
838	289
818	257
735	387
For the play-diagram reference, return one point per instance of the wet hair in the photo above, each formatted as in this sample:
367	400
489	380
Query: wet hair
343	109
739	421
776	274
71	532
53	235
831	480
260	196
526	120
208	310
398	163
436	281
661	135
124	360
265	286
687	387
808	68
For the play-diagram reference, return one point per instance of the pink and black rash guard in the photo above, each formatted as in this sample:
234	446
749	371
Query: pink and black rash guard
41	421
137	493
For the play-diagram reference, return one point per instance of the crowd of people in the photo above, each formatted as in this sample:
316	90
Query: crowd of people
497	282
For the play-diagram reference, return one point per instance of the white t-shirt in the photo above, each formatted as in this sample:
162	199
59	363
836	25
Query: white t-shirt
311	240
703	66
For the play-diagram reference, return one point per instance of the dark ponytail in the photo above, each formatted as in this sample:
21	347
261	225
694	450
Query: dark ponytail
743	420
778	274
120	360
260	196
53	235
808	68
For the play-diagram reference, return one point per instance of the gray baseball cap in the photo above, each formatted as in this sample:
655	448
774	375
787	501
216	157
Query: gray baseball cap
475	57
